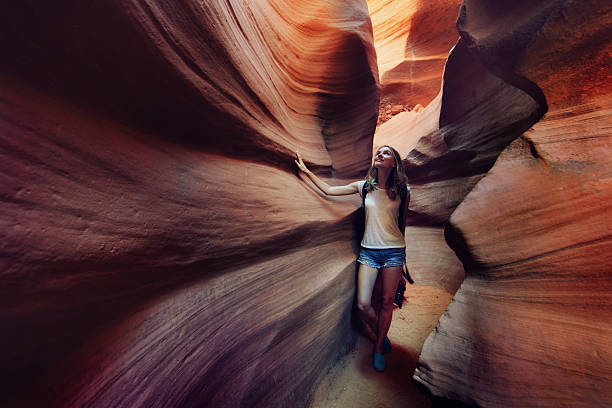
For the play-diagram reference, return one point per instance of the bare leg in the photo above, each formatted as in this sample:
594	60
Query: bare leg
377	296
391	276
366	277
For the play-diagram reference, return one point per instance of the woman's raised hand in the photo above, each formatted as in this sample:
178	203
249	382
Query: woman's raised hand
300	162
323	186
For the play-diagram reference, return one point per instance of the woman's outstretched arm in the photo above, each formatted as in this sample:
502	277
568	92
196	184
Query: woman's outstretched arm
323	186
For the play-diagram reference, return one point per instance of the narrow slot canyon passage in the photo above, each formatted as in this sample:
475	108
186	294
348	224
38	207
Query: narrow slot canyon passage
160	247
412	42
352	382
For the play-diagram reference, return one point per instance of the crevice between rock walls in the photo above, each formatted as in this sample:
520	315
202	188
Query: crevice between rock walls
350	91
533	234
482	111
478	114
498	110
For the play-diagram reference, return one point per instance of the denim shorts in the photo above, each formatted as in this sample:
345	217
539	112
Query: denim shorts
380	258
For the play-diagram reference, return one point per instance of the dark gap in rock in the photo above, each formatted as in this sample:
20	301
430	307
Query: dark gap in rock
343	97
532	149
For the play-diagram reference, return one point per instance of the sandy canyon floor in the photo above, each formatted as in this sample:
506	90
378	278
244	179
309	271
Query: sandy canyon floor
353	382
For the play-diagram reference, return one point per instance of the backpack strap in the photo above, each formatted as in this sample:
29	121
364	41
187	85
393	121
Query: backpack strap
403	196
364	191
400	217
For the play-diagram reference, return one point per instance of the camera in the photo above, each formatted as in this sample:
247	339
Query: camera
399	293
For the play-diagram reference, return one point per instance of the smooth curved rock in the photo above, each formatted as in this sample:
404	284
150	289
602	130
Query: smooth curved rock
412	40
158	249
448	148
213	74
530	324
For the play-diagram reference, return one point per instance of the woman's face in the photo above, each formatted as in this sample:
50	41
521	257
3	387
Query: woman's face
384	158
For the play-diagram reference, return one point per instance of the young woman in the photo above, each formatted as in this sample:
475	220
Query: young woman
382	247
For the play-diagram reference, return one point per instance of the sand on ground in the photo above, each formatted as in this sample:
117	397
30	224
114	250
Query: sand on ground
353	383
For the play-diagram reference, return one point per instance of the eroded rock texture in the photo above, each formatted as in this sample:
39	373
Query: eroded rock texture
157	249
531	323
412	39
448	148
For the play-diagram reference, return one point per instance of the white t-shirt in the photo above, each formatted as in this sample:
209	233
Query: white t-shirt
381	229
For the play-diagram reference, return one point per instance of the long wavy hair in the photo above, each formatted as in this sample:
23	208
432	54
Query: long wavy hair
397	178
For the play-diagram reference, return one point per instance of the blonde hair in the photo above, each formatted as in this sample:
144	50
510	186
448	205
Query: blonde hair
397	178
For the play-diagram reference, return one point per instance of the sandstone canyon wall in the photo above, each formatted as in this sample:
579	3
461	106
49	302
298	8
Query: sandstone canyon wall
531	323
412	40
158	250
448	147
157	247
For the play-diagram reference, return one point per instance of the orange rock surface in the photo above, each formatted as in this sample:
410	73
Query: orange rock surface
158	249
531	323
448	148
412	40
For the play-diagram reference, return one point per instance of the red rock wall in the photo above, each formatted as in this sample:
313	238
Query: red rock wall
448	149
157	248
412	40
530	325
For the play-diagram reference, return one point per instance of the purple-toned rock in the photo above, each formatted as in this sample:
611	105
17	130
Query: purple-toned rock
157	247
530	324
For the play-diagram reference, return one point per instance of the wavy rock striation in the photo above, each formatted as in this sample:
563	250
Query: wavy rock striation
157	248
412	39
448	149
530	325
